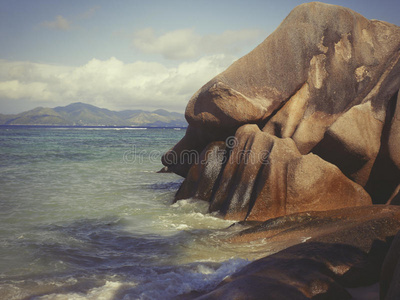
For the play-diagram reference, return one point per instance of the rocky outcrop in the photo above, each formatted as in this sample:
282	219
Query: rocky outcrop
253	181
332	251
321	94
266	176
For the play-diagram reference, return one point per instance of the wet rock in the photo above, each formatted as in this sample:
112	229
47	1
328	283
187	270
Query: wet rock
331	251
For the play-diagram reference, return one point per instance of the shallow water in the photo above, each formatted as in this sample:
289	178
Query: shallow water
84	215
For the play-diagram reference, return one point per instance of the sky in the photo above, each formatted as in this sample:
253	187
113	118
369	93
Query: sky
128	54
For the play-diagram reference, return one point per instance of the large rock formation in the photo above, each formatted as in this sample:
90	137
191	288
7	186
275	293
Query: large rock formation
266	176
321	93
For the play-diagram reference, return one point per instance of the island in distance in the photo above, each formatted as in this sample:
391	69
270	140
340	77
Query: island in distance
81	114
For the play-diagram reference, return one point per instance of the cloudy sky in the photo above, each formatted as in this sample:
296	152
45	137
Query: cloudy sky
129	54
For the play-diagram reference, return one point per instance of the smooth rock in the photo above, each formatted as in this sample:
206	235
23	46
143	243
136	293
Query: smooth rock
315	184
266	176
332	251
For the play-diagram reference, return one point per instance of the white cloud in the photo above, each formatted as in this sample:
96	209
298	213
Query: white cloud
178	44
13	89
187	44
108	83
59	23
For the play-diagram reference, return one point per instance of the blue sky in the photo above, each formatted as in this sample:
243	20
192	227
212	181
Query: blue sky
129	54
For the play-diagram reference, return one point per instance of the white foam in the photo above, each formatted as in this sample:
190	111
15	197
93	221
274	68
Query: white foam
200	278
190	214
106	292
191	205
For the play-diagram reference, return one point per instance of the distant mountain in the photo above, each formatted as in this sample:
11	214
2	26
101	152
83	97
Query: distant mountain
82	114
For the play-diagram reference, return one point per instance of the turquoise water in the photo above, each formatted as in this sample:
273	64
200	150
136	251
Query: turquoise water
84	215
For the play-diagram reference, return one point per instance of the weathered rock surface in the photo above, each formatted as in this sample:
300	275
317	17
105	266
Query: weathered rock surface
266	176
323	89
253	181
333	250
314	184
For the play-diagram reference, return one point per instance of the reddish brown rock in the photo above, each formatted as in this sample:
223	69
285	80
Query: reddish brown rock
323	90
283	84
335	250
266	177
314	184
253	181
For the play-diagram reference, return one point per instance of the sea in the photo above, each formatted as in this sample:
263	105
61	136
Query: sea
85	215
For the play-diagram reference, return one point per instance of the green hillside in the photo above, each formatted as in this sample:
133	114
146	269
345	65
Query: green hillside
81	114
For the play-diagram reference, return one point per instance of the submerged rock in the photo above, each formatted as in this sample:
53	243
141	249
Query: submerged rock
316	103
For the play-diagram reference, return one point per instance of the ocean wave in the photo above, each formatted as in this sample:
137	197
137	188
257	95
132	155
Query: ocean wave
201	277
109	291
157	283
